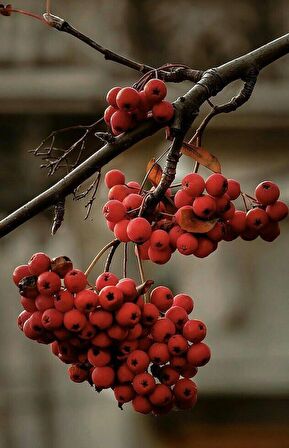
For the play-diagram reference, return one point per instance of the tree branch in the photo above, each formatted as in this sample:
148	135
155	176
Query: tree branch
187	108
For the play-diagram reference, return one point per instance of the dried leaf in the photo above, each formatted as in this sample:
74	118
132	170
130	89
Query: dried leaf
155	172
189	222
144	287
202	156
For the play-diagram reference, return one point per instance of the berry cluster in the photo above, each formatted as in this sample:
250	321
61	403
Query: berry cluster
203	215
127	106
147	352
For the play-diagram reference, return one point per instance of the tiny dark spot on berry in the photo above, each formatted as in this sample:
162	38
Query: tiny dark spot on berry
46	285
144	383
133	316
134	362
176	349
110	296
201	327
156	359
187	392
95	351
75	326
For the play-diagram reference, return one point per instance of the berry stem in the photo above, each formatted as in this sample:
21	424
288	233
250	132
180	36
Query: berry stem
151	168
99	255
244	201
110	255
125	247
141	271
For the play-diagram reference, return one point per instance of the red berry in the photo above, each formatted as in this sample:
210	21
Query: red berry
75	280
198	354
128	288
29	332
77	374
155	90
277	211
108	113
132	202
44	302
217	233
110	298
74	320
162	298
101	319
182	198
39	263
270	232
150	314
114	177
216	184
178	362
187	244
142	404
205	247
48	283
128	99
63	301
160	239
135	333
163	329
185	389
139	230
128	315
204	206
238	221
161	395
256	218
124	374
126	347
228	214
174	234
138	361
114	211
88	332
159	353
159	256
102	340
117	332
120	122
123	393
143	250
98	357
134	187
267	192
189	371
52	319
103	377
234	189
177	345
106	279
193	184
118	192
120	230
163	111
22	318
111	96
144	383
20	272
177	315
168	375
222	203
194	331
86	300
184	301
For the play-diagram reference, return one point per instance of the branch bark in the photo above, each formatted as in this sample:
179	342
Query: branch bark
187	108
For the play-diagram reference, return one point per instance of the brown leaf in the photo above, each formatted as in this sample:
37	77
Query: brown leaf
189	222
202	156
144	287
155	172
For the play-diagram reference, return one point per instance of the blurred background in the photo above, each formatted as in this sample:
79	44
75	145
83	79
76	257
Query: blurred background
48	80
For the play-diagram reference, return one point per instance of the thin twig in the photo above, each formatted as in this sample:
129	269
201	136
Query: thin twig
141	271
111	255
99	255
125	250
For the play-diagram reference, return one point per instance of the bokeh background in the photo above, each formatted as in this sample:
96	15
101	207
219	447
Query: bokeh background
49	80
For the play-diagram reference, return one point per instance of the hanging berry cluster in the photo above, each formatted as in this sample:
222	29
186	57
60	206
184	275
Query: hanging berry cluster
146	352
203	215
128	107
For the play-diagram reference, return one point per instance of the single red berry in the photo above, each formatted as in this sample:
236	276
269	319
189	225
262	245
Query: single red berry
28	304
184	301
205	247
222	203
128	315
182	198
193	184
128	288
187	244
120	230
163	111
120	122
28	330
228	214
101	319
238	221
162	298
43	303
198	354
111	96
160	239
217	233
178	362
74	320
118	192
114	177
267	192
234	189
22	318
124	374
189	371
126	347
28	287
36	322
117	332
86	300
61	265
177	345
63	301
88	332
75	280
168	375
77	374
277	211
163	329
108	113
128	99
52	319
185	389
110	298
39	263
138	361
123	393
98	357
133	186
144	343
114	211
48	283
143	383
155	90
132	202
102	340
106	279
103	377
174	233
62	334
270	232
161	395
150	314
159	256
20	272
135	332
142	404
194	331
139	230
159	353
216	184
204	206
256	218
250	234
143	249
177	315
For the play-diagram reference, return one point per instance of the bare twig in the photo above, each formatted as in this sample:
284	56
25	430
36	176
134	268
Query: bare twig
99	255
111	255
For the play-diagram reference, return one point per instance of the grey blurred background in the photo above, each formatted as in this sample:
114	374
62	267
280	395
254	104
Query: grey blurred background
48	80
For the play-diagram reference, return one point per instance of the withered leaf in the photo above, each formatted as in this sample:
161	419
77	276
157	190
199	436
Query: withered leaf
155	172
202	156
191	223
144	287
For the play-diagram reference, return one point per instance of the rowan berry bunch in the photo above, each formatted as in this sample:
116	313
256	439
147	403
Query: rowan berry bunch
145	351
204	215
128	106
